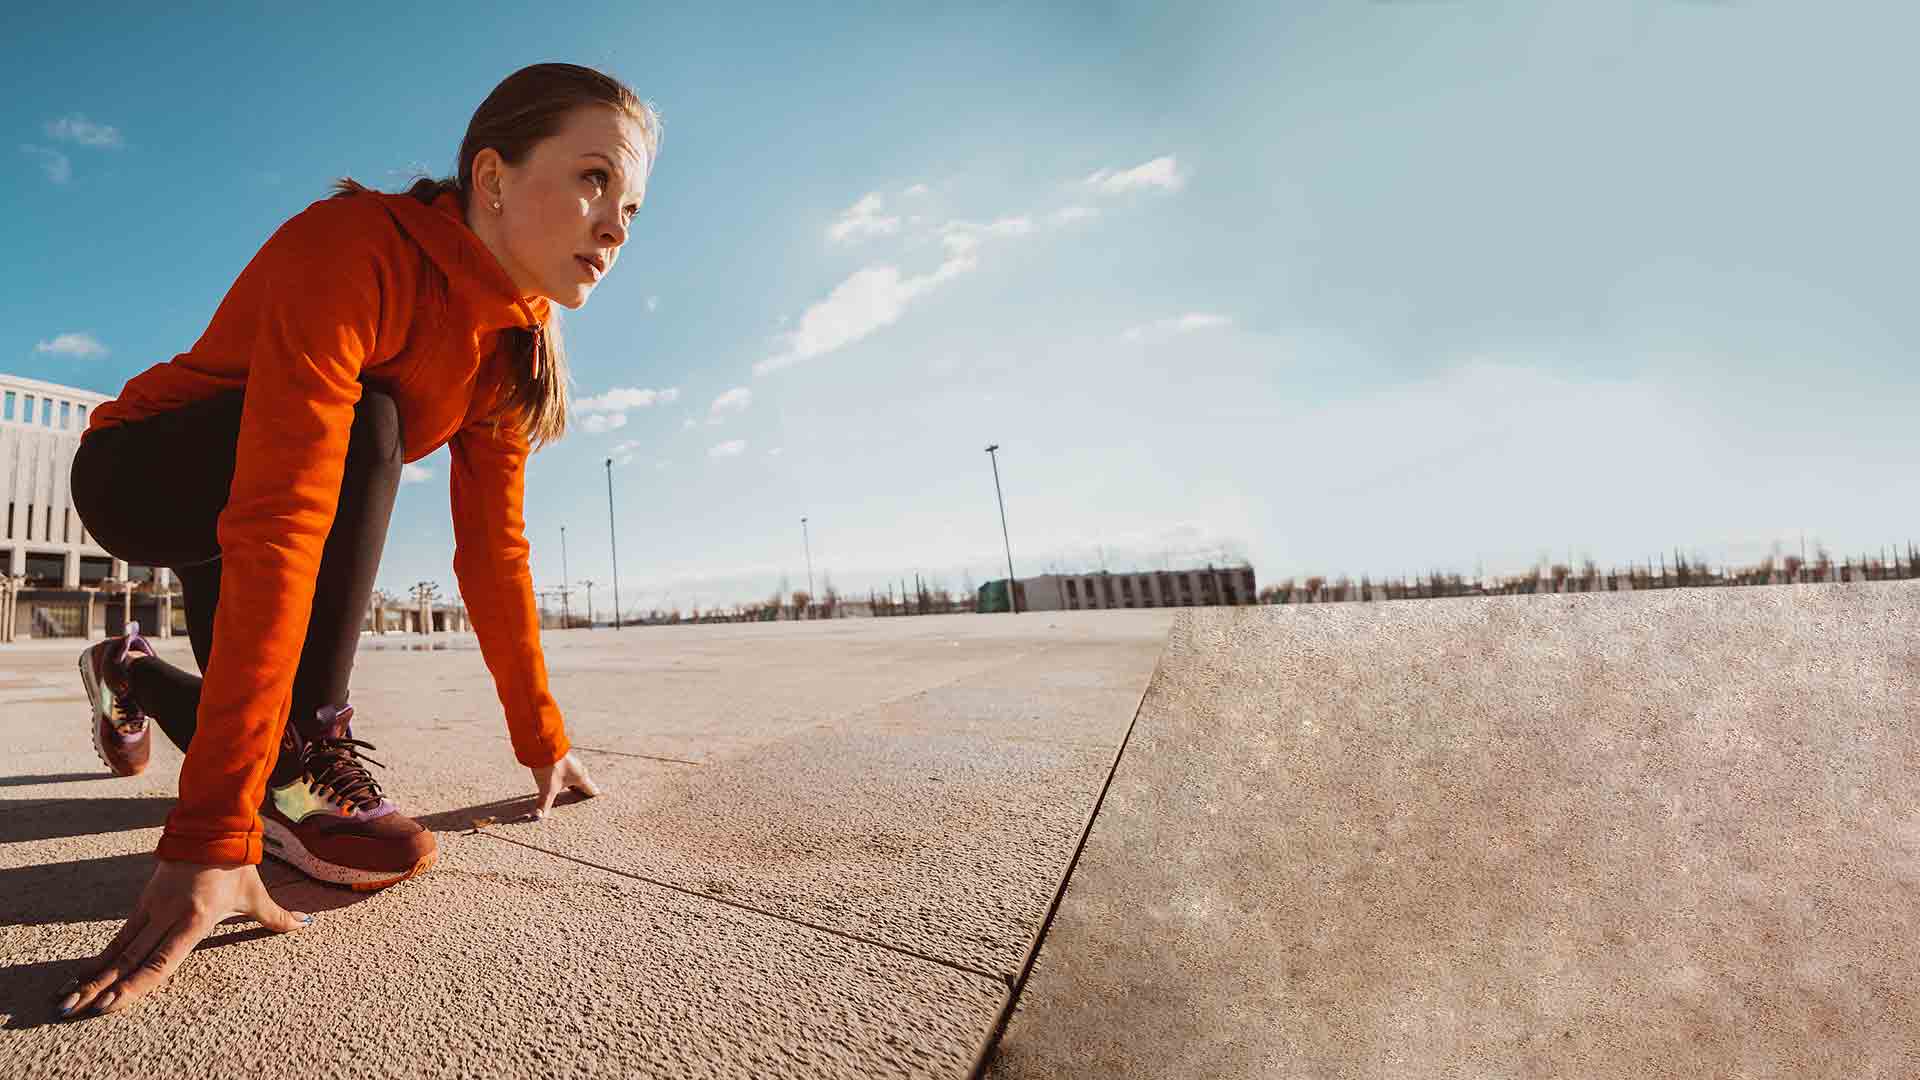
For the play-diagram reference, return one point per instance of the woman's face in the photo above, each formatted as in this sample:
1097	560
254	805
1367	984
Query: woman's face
567	205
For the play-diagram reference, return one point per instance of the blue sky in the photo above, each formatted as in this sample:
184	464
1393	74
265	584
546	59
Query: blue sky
1347	288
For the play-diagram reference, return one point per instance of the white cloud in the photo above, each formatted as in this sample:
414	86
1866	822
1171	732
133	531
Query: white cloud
917	189
622	398
52	162
870	299
1166	328
622	452
608	411
775	452
1068	214
83	345
860	219
623	447
1161	172
414	474
77	128
730	448
734	400
653	303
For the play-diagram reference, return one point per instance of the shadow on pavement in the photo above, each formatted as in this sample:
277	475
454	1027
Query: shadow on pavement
84	890
55	778
22	821
502	811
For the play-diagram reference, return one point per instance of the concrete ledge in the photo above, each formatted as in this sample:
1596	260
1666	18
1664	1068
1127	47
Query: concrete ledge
1656	834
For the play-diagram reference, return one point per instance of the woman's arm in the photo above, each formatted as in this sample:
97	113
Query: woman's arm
308	307
487	489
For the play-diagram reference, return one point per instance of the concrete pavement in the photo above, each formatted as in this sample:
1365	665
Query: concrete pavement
822	850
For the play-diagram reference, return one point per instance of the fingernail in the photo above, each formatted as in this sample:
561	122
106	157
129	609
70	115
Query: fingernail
307	918
106	1001
67	1003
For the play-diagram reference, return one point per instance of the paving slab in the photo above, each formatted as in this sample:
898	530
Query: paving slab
820	852
1654	834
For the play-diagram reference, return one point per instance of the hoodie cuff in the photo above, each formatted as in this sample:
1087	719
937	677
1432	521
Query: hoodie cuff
225	849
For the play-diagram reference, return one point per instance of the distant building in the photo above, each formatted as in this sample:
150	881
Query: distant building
1155	588
63	584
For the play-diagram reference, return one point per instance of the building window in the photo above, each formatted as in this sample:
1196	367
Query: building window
66	414
26	408
9	521
29	523
46	524
46	570
94	569
66	526
80	416
8	415
46	412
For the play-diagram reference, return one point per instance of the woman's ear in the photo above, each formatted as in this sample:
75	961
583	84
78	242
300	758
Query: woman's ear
486	174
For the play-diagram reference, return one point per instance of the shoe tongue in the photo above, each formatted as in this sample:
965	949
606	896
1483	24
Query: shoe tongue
334	722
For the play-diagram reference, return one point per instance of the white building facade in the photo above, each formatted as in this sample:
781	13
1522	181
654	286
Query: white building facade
1160	588
55	568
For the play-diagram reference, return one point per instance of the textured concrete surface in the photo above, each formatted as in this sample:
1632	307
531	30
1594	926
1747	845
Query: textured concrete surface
1656	834
822	850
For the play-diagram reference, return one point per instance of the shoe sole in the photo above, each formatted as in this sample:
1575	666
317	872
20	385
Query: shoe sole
281	844
95	695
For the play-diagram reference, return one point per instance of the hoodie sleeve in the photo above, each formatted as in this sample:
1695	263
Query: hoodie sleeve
487	487
308	306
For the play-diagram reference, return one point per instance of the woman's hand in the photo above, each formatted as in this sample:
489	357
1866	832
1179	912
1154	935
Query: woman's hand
565	773
181	904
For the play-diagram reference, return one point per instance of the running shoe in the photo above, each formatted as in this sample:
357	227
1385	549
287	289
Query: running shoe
122	733
329	820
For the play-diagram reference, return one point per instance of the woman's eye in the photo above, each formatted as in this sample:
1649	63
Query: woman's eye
600	183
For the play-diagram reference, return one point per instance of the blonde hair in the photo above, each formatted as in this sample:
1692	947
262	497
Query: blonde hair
527	107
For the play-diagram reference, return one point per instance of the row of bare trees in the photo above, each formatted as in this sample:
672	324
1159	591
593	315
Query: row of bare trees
1683	573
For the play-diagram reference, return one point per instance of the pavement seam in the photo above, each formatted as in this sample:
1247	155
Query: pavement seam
991	1043
623	753
1002	980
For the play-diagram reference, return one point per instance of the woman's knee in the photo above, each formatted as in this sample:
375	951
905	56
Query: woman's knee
376	428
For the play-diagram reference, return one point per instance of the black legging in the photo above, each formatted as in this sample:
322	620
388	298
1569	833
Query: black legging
151	492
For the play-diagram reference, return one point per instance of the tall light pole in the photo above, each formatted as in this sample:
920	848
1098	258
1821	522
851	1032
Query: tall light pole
1013	602
809	545
614	538
566	582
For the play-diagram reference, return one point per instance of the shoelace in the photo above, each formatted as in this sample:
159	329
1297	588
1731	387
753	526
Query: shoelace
334	771
128	718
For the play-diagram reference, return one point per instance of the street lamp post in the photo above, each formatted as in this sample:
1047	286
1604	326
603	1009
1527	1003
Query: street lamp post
804	539
566	582
614	538
1013	601
588	582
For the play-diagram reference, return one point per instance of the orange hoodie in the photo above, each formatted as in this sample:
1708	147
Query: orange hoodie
338	296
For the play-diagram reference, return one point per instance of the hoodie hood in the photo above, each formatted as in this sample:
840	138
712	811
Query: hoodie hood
476	281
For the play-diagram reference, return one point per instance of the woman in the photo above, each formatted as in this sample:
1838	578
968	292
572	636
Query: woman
370	330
